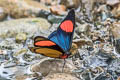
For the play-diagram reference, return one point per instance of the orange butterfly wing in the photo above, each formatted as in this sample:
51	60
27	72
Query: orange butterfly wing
47	48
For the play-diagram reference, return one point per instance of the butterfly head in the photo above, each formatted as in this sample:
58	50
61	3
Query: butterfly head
65	55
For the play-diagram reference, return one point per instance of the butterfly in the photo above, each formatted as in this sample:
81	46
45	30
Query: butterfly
59	42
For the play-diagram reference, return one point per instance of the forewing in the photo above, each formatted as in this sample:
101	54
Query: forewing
64	34
42	41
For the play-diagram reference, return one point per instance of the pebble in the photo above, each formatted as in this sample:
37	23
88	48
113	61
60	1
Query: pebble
82	42
60	76
73	49
22	8
47	2
3	14
118	78
21	77
71	3
112	2
117	46
54	19
21	37
1	52
116	11
58	9
82	28
20	52
115	27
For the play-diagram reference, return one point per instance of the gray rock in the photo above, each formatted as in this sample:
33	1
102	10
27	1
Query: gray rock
3	14
23	8
47	66
28	26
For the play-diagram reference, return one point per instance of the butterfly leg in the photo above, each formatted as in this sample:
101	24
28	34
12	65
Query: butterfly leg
55	61
63	65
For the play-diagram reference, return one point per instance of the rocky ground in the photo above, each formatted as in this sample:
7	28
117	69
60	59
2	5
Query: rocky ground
95	49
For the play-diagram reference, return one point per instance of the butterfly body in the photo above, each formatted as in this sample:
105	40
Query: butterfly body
58	43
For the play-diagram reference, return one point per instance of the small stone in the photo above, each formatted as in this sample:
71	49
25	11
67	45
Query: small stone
60	76
74	48
82	28
115	28
20	52
106	48
88	5
82	42
58	9
21	77
118	78
1	52
112	2
54	19
4	52
48	2
117	45
104	16
116	11
102	8
71	3
21	37
3	14
22	8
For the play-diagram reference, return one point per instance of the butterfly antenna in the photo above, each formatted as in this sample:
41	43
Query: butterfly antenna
63	65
